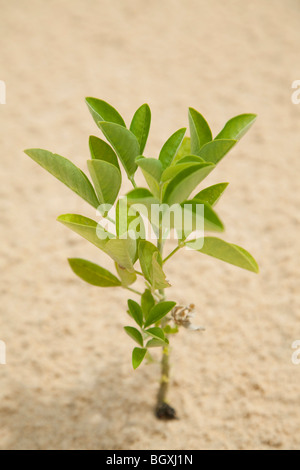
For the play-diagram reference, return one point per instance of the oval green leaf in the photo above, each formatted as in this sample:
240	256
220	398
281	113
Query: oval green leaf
228	252
140	125
86	228
200	131
181	165
156	343
236	127
147	302
158	312
103	111
134	334
171	147
107	180
122	251
158	277
146	251
214	151
151	265
181	186
152	170
138	355
141	195
100	150
156	333
66	172
212	194
184	149
211	220
135	312
124	143
127	277
93	273
190	159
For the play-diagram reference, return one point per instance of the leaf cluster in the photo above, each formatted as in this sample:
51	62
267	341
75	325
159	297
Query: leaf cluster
181	166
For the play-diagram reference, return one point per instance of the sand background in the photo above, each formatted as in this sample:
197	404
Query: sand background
68	382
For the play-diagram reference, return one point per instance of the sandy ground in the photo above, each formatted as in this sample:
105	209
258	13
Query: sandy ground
68	382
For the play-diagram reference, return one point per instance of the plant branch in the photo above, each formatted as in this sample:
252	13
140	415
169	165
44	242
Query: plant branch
109	219
139	273
133	290
172	253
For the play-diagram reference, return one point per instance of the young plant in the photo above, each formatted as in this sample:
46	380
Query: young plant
181	166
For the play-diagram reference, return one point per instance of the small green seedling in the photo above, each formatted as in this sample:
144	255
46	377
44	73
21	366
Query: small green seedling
137	237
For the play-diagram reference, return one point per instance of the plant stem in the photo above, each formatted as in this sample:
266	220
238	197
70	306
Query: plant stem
133	290
110	219
164	382
172	253
163	409
139	273
131	179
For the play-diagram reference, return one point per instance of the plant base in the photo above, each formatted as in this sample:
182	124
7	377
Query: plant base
165	412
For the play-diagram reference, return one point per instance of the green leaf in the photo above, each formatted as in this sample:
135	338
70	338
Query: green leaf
152	170
211	220
174	170
236	127
136	312
181	186
140	125
171	147
232	254
156	333
151	166
146	251
129	222
142	200
156	343
120	250
214	151
184	149
100	150
212	194
158	277
138	355
190	159
147	302
107	180
124	143
66	172
158	312
151	265
127	277
134	334
141	196
102	111
200	131
93	274
86	228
